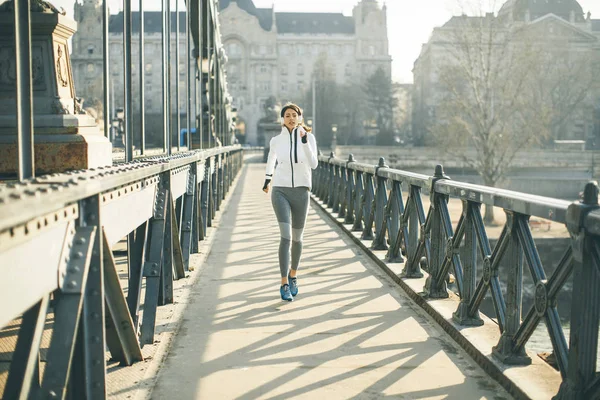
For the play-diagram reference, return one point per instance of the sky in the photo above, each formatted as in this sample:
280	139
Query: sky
410	22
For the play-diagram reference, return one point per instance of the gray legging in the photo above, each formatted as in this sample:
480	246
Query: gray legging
291	209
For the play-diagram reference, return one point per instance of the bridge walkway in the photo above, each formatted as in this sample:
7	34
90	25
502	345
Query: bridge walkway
350	333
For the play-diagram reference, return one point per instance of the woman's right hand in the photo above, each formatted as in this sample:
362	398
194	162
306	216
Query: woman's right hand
266	186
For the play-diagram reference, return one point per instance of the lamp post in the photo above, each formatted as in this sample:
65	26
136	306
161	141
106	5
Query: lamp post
334	137
117	125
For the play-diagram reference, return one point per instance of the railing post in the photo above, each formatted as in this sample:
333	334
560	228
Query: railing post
396	229
359	198
342	190
461	315
585	306
205	199
412	268
368	208
379	243
331	186
505	350
433	288
349	217
336	189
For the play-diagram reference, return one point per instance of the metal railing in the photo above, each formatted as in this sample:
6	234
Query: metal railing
370	199
56	236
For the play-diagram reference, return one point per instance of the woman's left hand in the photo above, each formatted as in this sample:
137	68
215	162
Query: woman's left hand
301	131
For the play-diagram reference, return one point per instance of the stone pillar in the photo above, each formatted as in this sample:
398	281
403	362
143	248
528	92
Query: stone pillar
268	130
65	136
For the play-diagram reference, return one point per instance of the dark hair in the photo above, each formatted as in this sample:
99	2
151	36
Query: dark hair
293	107
298	111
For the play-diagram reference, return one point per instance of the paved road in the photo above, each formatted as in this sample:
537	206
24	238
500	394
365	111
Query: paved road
350	333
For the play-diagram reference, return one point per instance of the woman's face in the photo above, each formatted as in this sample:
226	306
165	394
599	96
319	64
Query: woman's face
290	118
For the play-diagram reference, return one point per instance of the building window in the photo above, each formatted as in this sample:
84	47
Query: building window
264	86
314	49
91	68
349	49
300	49
263	69
371	50
300	69
284	49
283	68
233	49
348	70
300	86
91	49
283	87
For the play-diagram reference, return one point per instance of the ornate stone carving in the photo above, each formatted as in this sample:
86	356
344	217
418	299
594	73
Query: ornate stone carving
78	106
8	69
37	70
59	108
36	6
62	70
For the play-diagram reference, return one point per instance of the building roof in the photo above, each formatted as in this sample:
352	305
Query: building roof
264	15
315	23
463	20
152	22
328	23
537	9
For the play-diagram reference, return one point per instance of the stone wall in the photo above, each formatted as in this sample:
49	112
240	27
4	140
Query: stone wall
553	173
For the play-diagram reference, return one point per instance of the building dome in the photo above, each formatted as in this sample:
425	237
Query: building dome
517	9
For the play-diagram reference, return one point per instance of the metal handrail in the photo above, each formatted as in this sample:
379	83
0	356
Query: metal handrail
56	236
359	193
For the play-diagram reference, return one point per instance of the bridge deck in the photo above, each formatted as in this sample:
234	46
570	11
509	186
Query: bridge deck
350	333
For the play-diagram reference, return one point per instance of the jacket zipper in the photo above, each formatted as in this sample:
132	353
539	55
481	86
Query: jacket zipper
296	145
291	160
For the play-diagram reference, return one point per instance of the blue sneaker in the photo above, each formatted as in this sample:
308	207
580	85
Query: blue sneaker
285	293
293	285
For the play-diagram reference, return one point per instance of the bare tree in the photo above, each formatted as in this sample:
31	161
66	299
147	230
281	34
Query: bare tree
488	102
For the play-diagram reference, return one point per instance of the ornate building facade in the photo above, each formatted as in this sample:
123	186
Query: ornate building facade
87	57
274	53
269	53
560	25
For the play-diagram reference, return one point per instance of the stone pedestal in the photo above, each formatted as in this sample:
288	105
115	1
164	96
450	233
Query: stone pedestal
267	130
65	137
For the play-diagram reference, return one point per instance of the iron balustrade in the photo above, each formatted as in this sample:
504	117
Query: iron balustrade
370	198
56	236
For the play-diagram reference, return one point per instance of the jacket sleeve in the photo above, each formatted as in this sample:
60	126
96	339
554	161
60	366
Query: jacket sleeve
271	160
310	150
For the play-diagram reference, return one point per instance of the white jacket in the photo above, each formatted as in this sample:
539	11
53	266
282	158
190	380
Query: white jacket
294	159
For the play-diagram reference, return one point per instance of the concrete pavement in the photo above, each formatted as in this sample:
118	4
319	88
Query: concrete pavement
350	333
